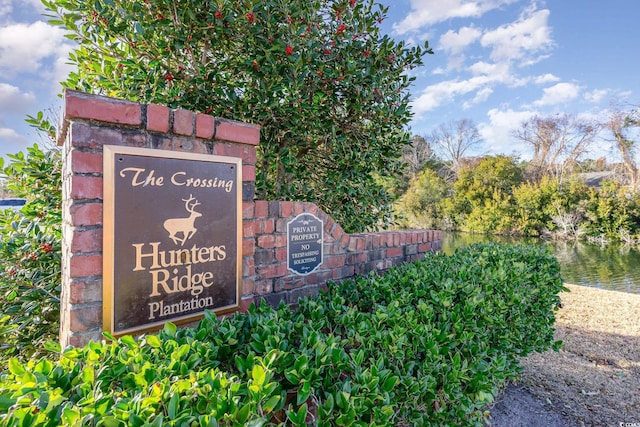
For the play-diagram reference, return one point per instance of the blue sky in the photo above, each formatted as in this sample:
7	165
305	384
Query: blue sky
497	62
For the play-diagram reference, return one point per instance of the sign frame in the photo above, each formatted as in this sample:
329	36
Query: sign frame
110	152
316	242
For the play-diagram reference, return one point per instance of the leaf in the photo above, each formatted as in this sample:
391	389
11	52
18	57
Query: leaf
15	367
243	413
303	392
170	329
153	341
258	374
270	404
390	383
174	404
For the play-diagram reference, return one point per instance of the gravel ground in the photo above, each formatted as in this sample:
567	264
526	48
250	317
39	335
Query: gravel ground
594	380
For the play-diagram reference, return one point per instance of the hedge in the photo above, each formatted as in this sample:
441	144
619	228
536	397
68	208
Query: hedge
428	343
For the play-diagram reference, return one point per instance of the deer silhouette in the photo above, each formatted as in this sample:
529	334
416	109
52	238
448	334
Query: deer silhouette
183	225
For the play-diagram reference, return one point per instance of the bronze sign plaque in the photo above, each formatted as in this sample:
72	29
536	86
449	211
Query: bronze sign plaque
304	243
172	233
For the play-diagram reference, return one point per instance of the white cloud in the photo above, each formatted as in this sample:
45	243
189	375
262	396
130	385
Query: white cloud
455	42
429	12
481	96
558	94
16	10
6	7
435	95
10	136
27	48
518	40
13	100
498	132
485	68
596	95
546	78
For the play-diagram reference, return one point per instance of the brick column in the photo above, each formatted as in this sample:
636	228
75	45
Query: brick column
89	123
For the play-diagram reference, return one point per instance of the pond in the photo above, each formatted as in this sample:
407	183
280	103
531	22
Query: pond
612	267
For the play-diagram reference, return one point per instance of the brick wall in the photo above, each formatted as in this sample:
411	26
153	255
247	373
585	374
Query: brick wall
265	274
91	121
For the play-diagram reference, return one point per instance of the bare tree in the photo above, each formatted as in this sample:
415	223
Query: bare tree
454	139
558	143
417	154
620	124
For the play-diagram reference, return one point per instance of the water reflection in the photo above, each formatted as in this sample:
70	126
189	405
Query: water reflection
613	267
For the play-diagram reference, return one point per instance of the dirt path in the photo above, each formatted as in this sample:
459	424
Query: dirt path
594	380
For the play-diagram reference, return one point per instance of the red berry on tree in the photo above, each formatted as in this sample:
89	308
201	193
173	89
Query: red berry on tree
288	50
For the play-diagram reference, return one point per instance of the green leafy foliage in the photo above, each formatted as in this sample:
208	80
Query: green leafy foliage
482	198
429	343
30	253
421	203
328	89
489	196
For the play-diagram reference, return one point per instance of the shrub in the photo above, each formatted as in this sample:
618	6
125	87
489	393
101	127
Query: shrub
328	88
429	343
30	251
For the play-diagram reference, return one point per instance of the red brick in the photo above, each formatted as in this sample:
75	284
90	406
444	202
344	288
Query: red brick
268	226
271	271
86	241
245	303
190	145
205	126
343	272
83	162
248	267
158	118
344	240
183	122
249	155
231	149
248	247
261	209
85	266
88	135
286	209
335	261
281	241
101	108
86	214
394	252
86	187
338	232
237	132
249	228
281	254
263	287
228	149
298	208
248	210
248	286
248	173
424	247
267	241
319	277
356	243
81	291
